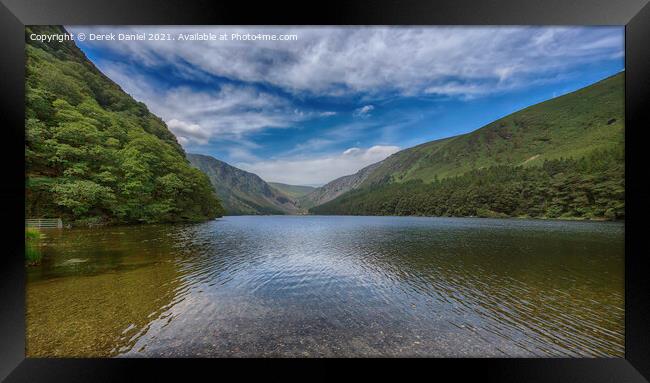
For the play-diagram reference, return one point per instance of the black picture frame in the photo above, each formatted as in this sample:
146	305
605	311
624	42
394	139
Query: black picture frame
634	14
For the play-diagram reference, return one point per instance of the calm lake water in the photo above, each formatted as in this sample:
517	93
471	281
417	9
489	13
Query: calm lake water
330	286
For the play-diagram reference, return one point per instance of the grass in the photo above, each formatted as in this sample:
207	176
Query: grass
33	253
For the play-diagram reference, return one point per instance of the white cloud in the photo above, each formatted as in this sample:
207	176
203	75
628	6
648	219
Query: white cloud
457	89
364	111
327	114
318	170
197	116
351	151
340	60
186	132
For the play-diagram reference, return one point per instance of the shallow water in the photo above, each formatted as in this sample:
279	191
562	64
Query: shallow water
330	286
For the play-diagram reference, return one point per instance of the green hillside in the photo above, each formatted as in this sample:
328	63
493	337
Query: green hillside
293	191
94	154
241	192
561	158
572	125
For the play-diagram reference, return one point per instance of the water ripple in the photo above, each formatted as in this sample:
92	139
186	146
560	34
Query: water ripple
332	286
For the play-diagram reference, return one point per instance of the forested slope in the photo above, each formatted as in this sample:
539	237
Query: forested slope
95	154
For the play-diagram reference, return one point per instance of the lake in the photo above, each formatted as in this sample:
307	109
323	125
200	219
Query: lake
323	286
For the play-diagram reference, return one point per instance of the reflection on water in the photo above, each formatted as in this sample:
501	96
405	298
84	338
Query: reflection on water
330	286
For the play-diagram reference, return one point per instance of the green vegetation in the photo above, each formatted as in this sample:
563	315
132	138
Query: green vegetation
563	158
570	126
32	252
591	187
95	154
293	191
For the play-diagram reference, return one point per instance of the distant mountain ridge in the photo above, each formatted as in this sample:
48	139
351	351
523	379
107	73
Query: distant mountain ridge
242	192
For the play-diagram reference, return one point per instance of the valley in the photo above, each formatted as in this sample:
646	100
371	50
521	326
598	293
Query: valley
96	155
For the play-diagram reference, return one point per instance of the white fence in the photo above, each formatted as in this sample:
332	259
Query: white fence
44	223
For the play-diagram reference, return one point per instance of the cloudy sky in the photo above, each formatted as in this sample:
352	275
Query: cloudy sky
335	100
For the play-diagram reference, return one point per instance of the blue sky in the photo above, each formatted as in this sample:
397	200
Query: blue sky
338	99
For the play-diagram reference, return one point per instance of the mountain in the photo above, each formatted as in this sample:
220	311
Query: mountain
293	191
336	188
572	125
93	154
570	148
242	192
